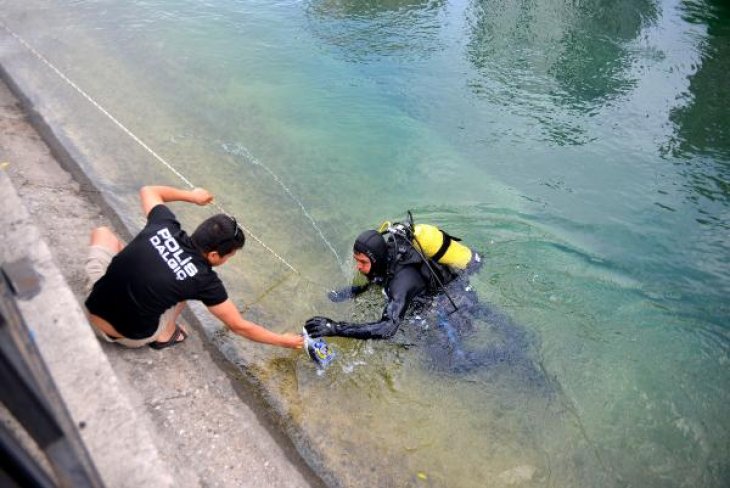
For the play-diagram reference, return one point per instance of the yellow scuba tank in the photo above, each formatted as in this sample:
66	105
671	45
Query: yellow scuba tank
440	246
436	245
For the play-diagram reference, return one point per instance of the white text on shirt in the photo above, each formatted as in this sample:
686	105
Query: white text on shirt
172	253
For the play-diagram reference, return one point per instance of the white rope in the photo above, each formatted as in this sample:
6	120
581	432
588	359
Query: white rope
240	150
135	138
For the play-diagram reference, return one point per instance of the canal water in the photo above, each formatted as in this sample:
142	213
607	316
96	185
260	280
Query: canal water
582	147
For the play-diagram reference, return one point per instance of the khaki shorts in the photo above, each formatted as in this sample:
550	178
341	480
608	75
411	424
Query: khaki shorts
97	262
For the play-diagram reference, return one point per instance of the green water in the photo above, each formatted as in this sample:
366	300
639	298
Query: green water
583	147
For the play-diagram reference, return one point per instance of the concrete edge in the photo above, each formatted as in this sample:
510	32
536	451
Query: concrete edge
90	389
63	151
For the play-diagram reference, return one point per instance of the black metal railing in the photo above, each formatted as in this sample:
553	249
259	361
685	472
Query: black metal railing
29	394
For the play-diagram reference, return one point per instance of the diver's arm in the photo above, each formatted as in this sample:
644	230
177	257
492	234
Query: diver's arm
385	328
407	284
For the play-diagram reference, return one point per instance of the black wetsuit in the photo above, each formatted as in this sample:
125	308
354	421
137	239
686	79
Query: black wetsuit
404	286
442	315
408	276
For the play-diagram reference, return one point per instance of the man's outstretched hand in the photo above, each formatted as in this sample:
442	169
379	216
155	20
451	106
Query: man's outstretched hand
201	196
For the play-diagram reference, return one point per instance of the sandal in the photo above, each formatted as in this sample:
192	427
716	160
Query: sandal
175	339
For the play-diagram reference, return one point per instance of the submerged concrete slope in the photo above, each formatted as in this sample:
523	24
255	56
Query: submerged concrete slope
152	418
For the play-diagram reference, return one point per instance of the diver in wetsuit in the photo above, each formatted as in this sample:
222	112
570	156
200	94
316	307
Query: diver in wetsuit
426	271
398	259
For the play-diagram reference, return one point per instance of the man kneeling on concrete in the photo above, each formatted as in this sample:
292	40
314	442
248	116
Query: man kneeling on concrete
137	291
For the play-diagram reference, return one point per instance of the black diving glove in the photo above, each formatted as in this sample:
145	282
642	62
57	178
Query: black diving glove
346	293
321	327
340	295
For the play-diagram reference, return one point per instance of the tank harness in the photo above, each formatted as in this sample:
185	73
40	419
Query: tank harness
431	244
441	247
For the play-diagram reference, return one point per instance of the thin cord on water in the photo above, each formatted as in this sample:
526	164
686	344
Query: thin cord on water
240	150
95	104
136	139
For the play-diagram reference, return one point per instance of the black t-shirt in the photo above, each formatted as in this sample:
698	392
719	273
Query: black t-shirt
157	270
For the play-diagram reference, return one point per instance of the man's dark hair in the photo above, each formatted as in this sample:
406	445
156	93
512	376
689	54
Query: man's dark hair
218	233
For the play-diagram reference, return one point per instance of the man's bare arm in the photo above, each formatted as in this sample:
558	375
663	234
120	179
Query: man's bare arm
152	196
227	313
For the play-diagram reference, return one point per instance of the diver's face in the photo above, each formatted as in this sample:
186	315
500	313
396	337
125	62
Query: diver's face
362	263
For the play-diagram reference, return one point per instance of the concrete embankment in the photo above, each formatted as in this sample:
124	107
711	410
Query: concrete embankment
150	418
